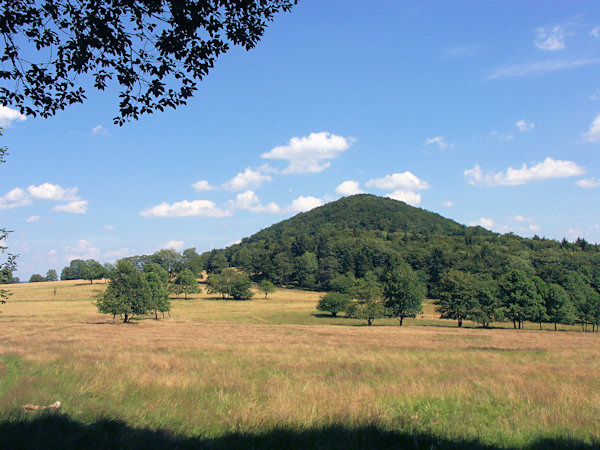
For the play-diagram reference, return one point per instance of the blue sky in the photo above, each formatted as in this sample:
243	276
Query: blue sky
484	112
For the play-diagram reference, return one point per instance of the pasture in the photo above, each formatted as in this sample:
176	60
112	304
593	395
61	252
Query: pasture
275	373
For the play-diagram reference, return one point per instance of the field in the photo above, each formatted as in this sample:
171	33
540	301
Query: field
275	373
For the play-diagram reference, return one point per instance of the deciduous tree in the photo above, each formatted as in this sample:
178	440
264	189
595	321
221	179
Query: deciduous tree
403	292
334	302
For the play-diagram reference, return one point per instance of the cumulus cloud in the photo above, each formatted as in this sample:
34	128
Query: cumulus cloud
74	207
109	227
99	129
15	197
525	125
118	253
448	203
550	39
595	32
9	115
405	180
547	169
247	179
349	188
536	68
33	219
501	136
303	204
588	183
309	154
185	208
249	201
440	141
48	191
412	198
593	134
202	185
172	244
520	218
82	250
483	222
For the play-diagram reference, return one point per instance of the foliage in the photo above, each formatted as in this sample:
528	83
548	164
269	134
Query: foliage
76	270
10	264
51	275
127	294
230	284
36	278
559	306
185	283
143	46
158	269
488	307
519	296
458	296
266	287
334	302
403	293
159	301
369	303
92	270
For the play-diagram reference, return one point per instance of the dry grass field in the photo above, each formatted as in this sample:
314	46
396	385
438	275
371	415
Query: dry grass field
274	373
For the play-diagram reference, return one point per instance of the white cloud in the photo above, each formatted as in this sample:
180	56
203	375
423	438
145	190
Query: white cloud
172	244
525	125
405	180
484	222
109	227
185	208
593	135
99	130
595	32
9	115
550	39
303	204
533	227
520	218
522	70
48	191
349	188
119	253
247	179
547	169
202	185
448	203
248	201
412	198
74	207
15	197
82	250
310	153
589	183
440	141
33	219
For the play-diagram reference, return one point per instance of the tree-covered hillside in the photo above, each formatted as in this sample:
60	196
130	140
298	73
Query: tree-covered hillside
364	233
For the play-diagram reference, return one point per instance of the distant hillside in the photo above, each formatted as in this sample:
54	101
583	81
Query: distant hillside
363	233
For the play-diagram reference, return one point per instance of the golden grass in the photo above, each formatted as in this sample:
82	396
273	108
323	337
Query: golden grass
221	366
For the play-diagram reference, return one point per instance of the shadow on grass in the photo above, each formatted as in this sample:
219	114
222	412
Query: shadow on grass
59	431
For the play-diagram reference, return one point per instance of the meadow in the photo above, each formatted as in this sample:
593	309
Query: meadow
277	373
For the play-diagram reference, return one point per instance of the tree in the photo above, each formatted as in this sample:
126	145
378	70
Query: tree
266	287
127	294
141	45
559	306
488	308
51	275
157	268
193	261
517	293
74	271
36	278
403	293
230	283
92	270
334	302
168	259
369	300
458	296
185	282
159	301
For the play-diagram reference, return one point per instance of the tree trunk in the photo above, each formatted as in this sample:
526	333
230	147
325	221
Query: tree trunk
126	318
540	325
515	324
459	323
369	321
554	326
156	314
333	314
401	320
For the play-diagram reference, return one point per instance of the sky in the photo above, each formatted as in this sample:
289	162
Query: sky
487	113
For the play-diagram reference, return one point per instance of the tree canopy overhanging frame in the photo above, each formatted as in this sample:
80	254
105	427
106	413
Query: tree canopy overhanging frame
155	50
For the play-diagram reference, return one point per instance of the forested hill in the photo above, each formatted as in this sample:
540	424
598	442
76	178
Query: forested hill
364	233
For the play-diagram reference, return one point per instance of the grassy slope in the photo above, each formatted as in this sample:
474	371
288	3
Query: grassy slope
268	373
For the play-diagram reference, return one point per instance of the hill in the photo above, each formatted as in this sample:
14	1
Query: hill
365	233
